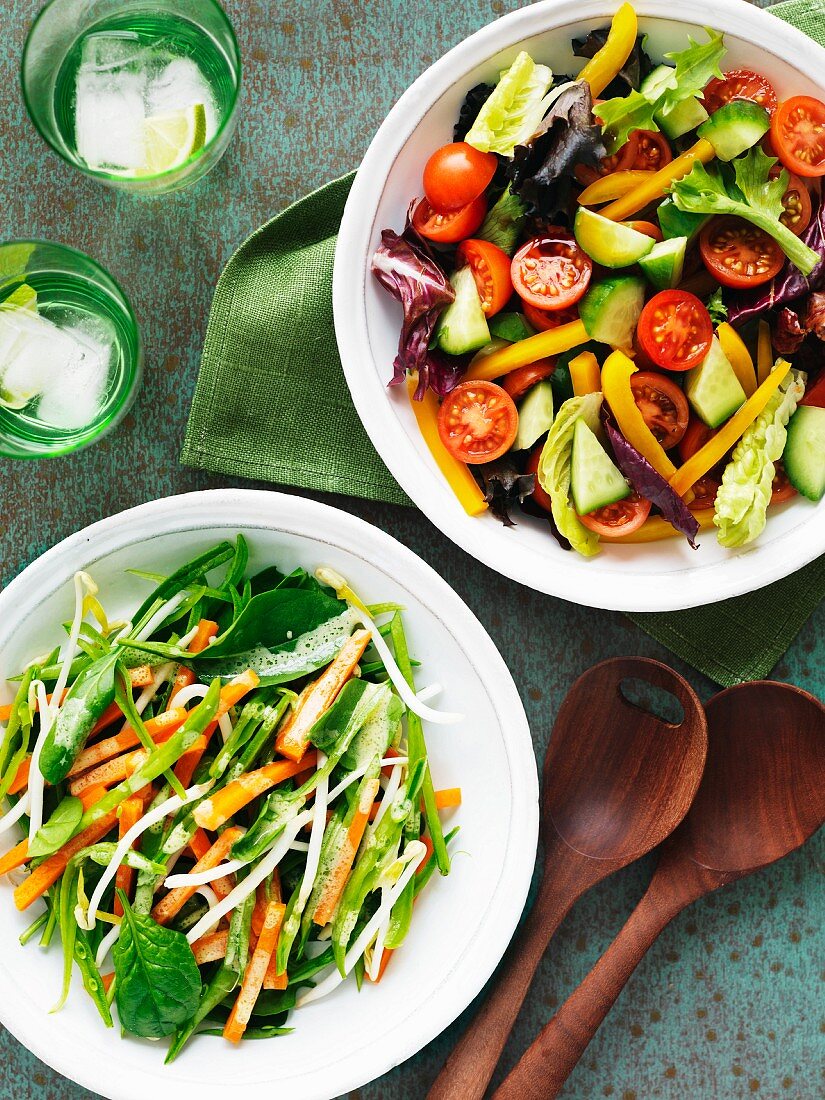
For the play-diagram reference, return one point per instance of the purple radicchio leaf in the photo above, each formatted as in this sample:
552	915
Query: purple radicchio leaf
790	283
651	485
788	334
504	486
423	290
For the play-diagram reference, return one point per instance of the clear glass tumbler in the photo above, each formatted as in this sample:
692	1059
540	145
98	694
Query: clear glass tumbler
140	94
70	351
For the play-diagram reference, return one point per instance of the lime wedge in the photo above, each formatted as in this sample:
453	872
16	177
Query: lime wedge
172	138
24	297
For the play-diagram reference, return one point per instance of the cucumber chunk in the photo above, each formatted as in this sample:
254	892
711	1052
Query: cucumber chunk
462	327
685	116
610	310
804	455
510	326
664	263
595	481
735	127
609	243
712	388
535	416
679	223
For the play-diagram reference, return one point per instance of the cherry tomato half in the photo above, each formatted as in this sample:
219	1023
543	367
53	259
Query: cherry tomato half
542	319
704	492
622	518
696	436
740	84
652	151
491	271
798	135
675	330
456	174
648	228
519	381
816	394
451	227
739	254
477	422
620	161
539	496
782	489
796	202
663	405
551	272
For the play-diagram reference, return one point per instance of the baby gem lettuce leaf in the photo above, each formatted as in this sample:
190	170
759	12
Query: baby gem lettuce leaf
743	498
514	110
750	195
158	984
693	68
554	470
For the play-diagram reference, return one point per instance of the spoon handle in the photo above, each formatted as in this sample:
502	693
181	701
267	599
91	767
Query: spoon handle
549	1061
468	1070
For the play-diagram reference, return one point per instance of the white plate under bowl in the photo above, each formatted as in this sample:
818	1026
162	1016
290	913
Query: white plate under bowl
655	577
462	923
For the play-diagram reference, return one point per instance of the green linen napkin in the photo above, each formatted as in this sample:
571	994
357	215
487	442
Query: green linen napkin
272	404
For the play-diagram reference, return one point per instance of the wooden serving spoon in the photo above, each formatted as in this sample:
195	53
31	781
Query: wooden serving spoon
617	781
761	797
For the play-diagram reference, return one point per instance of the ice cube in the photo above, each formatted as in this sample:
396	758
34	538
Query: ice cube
38	352
179	85
73	398
108	50
109	116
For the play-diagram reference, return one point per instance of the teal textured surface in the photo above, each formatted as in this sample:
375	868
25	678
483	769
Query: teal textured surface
728	1005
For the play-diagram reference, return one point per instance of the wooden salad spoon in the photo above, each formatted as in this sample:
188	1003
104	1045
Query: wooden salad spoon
617	780
761	797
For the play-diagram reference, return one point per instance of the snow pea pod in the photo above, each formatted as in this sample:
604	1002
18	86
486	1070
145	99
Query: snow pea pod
91	693
182	578
16	740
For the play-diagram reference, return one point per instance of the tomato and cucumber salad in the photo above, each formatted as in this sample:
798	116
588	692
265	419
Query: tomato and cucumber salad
618	300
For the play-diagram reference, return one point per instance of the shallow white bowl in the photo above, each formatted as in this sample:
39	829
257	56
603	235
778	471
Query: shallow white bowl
462	924
656	577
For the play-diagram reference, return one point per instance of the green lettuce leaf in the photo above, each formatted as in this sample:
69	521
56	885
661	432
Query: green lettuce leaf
554	470
742	501
693	68
514	110
750	195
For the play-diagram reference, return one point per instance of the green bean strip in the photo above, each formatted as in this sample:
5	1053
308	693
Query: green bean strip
33	928
126	702
417	750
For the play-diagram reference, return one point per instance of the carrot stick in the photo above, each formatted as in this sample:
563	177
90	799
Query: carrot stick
21	780
211	947
92	795
107	980
160	729
272	979
131	812
255	974
110	714
225	803
171	905
200	844
14	858
385	958
231	694
106	775
339	872
139	677
185	767
51	869
448	798
185	676
293	739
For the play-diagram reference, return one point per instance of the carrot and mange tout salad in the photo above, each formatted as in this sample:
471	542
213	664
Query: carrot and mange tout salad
614	295
226	802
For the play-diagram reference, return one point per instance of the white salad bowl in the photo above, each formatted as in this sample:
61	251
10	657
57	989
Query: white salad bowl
659	576
462	923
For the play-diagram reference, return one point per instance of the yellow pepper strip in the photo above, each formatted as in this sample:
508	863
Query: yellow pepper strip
585	374
612	186
458	476
610	60
524	352
764	352
616	375
716	447
738	356
658	182
657	528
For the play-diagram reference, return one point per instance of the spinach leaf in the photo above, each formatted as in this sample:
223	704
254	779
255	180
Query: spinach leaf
58	829
274	620
158	984
88	697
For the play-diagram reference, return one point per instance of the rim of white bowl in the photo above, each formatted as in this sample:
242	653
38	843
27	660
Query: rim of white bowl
555	573
249	508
